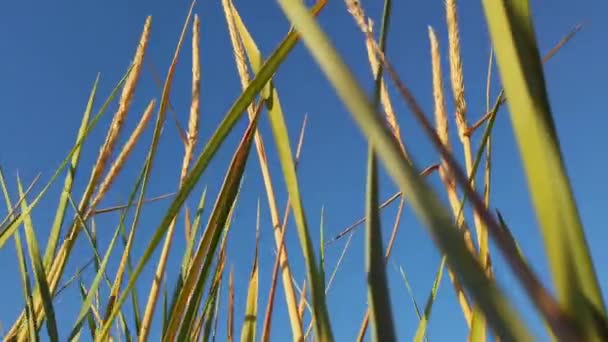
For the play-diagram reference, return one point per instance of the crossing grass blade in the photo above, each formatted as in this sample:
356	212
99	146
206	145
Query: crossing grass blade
255	58
188	322
187	258
513	38
207	246
424	201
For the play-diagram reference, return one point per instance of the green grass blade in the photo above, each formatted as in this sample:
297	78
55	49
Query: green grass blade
279	129
519	63
23	269
322	247
196	224
27	290
90	318
422	198
424	321
378	297
51	245
188	323
409	292
39	274
251	309
222	210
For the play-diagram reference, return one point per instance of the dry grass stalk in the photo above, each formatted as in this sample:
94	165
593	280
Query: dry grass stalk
193	120
290	295
122	156
230	327
126	98
441	122
355	9
457	81
302	304
164	255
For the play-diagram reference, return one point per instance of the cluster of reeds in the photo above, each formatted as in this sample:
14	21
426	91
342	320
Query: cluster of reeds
190	310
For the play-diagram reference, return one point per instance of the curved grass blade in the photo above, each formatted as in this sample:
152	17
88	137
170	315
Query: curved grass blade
423	200
519	63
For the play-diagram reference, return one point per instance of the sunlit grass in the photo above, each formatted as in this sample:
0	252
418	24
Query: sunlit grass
192	304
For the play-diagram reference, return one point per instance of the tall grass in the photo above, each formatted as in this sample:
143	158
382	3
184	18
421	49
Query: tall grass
194	307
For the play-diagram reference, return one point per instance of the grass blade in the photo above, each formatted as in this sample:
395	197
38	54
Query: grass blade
251	310
237	28
208	244
39	274
32	330
230	318
51	246
424	201
86	303
519	63
377	287
421	330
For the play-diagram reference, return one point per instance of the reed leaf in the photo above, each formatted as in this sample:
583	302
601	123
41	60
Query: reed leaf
512	32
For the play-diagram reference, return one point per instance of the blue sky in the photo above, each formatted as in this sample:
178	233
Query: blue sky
52	52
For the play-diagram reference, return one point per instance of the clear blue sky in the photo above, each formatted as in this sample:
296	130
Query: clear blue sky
52	51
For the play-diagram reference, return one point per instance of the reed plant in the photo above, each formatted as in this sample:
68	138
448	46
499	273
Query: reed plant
191	307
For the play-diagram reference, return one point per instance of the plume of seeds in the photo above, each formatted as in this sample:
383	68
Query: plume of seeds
126	98
193	120
355	9
457	80
456	73
441	122
122	156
